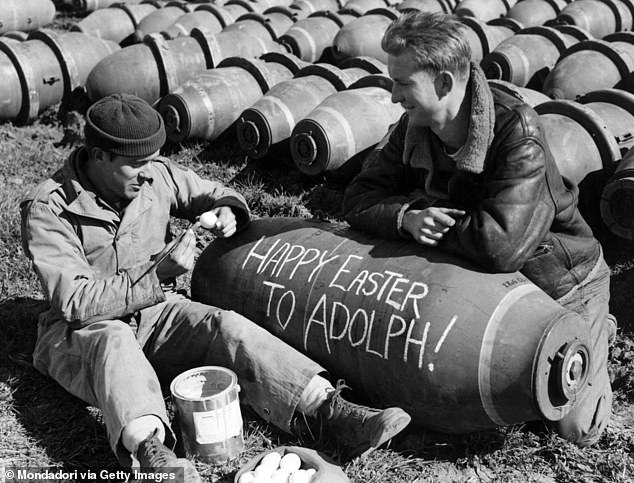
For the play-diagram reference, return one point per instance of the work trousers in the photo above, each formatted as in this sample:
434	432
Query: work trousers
118	366
592	410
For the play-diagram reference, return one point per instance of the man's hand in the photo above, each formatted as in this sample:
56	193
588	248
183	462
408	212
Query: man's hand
180	260
226	223
428	226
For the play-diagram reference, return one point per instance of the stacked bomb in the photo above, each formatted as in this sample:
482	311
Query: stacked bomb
25	15
344	125
88	6
116	23
164	61
45	69
156	67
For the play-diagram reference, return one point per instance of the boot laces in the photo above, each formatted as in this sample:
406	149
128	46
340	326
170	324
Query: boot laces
337	400
157	454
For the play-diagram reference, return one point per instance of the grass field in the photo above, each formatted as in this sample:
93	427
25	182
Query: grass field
42	425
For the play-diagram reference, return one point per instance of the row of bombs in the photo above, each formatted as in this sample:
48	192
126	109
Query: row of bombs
84	7
346	34
540	58
597	17
128	24
506	50
321	36
527	12
41	72
310	39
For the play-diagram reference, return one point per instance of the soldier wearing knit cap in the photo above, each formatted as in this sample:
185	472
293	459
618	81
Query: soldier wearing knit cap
117	329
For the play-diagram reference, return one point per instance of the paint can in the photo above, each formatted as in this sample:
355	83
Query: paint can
208	411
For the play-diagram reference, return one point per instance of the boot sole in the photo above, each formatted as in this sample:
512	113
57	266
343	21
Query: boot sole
394	420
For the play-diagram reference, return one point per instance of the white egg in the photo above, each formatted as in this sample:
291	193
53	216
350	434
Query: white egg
264	472
310	472
280	476
208	220
248	477
272	460
290	462
299	476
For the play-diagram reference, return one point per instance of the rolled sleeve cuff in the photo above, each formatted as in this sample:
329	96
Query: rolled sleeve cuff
147	290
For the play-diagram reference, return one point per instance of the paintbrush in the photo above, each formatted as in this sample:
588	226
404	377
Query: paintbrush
192	226
207	220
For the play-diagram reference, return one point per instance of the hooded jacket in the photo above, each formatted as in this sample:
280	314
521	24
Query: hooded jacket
521	213
89	258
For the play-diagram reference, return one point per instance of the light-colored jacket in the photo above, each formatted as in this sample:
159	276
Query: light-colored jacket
87	256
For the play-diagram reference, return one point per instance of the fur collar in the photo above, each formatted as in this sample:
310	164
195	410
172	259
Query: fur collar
471	158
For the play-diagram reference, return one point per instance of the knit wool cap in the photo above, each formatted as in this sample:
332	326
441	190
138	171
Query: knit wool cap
124	124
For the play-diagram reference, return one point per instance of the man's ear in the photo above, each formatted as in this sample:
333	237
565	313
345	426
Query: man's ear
444	83
98	155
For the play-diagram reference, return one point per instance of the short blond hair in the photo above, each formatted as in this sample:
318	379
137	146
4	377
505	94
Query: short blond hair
437	39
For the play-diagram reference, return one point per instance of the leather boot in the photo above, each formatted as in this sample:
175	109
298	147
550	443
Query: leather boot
359	428
155	457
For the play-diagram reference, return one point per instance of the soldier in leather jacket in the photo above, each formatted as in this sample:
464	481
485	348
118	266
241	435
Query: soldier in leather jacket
468	169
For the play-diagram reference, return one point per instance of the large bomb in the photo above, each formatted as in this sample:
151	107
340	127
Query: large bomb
532	13
311	38
484	37
25	15
404	325
587	66
344	125
484	10
526	57
598	17
362	36
580	140
44	69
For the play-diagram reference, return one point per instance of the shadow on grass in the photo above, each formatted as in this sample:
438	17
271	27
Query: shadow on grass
37	412
618	252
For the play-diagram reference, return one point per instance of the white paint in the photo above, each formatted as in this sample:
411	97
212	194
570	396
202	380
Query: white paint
445	333
486	349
